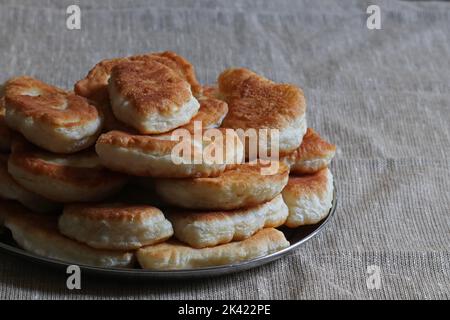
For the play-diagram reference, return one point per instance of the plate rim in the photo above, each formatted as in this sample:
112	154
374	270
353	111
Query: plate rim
176	274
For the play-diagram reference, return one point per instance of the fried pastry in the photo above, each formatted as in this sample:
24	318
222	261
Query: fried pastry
174	255
11	190
62	178
49	117
255	102
154	156
5	132
39	234
240	186
115	226
314	154
150	97
201	229
309	198
95	85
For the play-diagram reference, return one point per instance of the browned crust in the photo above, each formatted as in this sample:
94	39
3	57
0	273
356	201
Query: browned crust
5	132
46	226
110	122
2	108
148	143
150	87
211	91
53	106
256	102
32	160
173	248
308	184
206	215
142	142
112	211
242	174
313	146
183	67
211	112
94	85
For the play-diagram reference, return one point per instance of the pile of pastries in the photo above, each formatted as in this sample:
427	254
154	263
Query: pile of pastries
89	177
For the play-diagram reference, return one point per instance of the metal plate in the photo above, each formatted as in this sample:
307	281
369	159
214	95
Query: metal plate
296	237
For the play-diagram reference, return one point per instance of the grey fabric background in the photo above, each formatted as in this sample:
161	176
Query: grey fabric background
383	96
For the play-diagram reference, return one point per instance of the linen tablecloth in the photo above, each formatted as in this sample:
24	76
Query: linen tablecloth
382	96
